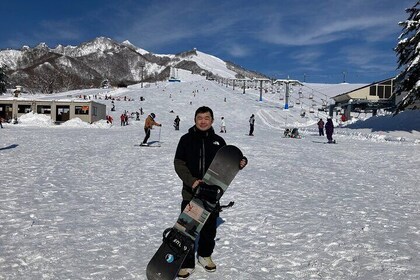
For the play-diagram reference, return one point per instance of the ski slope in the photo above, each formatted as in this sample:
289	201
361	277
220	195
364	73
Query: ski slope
80	201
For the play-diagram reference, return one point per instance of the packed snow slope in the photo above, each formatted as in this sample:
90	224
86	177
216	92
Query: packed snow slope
80	201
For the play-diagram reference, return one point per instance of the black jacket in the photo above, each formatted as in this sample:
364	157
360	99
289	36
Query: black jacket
193	156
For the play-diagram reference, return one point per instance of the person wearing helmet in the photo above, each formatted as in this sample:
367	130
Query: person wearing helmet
148	124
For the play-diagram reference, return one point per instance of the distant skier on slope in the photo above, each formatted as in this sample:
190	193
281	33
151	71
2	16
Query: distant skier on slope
176	122
321	127
251	125
329	130
222	125
148	125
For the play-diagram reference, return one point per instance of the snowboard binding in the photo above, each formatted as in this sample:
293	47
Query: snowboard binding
209	196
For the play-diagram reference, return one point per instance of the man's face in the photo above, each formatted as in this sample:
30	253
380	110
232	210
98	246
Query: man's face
203	121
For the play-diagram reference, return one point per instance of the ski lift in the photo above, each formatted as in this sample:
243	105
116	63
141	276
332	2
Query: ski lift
311	96
281	97
300	93
311	110
302	113
298	102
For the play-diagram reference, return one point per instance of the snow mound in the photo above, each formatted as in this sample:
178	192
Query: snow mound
34	119
404	121
77	122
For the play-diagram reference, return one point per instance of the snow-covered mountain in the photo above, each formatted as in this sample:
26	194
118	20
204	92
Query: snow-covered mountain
63	68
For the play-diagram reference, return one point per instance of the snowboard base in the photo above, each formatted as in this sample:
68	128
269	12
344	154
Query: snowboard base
171	254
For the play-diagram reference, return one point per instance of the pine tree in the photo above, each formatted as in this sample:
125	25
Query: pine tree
3	80
408	52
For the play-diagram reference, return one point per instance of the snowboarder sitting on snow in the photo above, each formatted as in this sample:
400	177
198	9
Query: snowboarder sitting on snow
193	156
286	132
295	133
148	125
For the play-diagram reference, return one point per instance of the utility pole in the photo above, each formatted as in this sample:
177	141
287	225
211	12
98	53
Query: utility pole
142	64
287	83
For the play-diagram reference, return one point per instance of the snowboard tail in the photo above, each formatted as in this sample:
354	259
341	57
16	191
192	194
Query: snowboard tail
180	239
171	254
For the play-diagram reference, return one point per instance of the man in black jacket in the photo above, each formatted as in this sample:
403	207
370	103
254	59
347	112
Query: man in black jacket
194	153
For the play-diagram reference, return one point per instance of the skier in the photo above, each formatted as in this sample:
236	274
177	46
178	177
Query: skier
223	125
321	127
329	130
148	124
194	153
251	125
176	123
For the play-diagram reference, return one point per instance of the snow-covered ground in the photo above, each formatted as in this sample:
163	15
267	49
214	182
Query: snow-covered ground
81	201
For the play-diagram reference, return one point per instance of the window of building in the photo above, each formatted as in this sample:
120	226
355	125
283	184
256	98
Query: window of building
43	109
23	109
81	110
381	91
388	91
372	91
95	111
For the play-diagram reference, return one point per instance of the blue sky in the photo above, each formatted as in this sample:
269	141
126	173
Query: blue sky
313	40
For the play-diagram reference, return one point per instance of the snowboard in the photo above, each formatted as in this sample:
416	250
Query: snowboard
180	239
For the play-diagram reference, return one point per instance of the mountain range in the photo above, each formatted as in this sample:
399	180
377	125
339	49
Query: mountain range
48	70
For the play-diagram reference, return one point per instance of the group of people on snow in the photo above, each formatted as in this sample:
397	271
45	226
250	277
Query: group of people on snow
329	129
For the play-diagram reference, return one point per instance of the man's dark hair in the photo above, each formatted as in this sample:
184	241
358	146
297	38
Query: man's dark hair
204	109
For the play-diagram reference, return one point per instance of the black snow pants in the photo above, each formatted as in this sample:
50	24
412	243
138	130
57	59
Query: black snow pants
147	131
206	241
